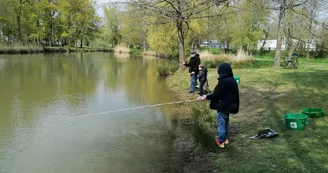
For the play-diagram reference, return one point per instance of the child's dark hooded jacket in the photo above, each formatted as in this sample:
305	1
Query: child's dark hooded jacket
202	75
225	97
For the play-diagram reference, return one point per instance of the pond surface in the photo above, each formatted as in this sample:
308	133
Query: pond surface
42	97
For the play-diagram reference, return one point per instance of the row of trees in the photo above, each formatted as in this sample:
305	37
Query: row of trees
48	22
169	25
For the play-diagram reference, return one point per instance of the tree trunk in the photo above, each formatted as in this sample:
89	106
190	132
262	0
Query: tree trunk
52	32
181	43
264	41
279	39
81	43
290	46
290	53
19	28
228	46
309	40
289	42
144	45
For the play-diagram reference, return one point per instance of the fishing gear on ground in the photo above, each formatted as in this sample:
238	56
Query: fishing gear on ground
266	133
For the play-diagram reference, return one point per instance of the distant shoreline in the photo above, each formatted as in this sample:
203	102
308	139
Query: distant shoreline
34	50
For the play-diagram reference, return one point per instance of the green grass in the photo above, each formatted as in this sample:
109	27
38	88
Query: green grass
213	50
264	57
266	95
216	50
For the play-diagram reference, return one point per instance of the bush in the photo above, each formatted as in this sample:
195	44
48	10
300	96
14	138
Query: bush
62	49
174	66
163	71
19	49
54	49
216	50
210	64
167	67
135	50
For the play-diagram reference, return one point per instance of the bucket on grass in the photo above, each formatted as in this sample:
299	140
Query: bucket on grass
296	121
237	78
313	112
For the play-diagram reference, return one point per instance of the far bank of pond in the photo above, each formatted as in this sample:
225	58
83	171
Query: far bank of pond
36	49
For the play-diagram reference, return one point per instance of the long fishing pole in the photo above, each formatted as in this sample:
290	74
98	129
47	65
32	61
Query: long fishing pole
134	108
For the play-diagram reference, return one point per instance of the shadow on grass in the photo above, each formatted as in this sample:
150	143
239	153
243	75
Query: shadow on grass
313	79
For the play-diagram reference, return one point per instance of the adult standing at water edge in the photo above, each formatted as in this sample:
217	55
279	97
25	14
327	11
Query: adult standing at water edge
225	100
193	69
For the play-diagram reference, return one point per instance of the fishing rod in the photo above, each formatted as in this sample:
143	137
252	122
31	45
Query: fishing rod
135	108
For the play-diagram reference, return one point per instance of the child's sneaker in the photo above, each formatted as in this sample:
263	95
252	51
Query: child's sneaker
226	141
220	145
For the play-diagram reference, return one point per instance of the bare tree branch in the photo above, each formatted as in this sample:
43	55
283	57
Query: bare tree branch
172	5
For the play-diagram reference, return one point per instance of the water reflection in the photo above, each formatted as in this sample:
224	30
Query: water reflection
39	91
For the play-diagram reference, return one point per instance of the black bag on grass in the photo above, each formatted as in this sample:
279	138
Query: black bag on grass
266	133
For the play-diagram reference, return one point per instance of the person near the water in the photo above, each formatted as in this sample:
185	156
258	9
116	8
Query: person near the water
225	100
193	70
202	77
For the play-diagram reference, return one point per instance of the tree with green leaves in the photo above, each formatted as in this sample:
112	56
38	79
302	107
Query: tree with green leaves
249	23
134	27
283	6
178	12
47	22
111	27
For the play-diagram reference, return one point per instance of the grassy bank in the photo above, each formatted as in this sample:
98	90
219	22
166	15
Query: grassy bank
36	49
266	95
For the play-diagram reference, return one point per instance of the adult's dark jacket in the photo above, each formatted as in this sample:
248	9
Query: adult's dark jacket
193	64
225	97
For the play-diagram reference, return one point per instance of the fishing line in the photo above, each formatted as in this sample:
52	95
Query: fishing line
134	108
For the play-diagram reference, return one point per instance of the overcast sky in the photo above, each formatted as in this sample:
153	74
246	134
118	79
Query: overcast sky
100	11
99	6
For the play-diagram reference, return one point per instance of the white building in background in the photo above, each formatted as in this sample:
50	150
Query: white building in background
213	44
271	44
312	45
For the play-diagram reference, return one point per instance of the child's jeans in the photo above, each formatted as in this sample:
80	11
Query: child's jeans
223	126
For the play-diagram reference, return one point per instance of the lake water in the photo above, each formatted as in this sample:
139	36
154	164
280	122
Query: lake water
42	97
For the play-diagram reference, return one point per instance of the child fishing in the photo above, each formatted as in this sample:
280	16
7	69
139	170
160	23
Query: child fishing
202	76
225	100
